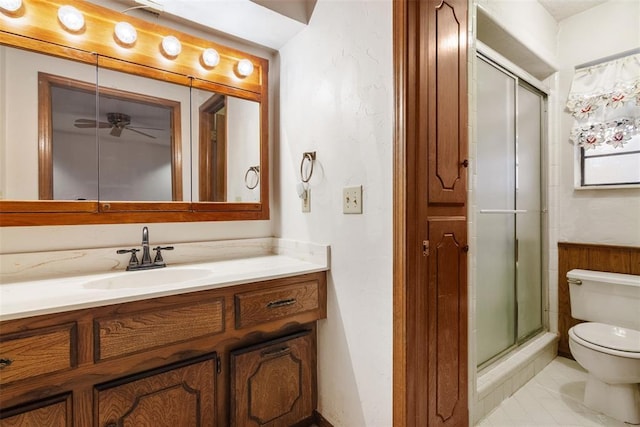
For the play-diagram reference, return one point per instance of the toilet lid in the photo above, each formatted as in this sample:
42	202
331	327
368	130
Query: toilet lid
608	336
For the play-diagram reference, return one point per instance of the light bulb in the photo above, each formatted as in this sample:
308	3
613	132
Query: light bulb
171	46
10	5
125	33
71	18
210	57
245	67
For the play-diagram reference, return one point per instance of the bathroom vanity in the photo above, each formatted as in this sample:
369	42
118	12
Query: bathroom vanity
229	349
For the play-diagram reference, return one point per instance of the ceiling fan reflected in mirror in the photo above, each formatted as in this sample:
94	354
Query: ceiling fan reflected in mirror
117	122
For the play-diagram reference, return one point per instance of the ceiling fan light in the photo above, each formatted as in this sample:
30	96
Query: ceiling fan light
245	67
71	18
171	46
210	57
10	5
126	33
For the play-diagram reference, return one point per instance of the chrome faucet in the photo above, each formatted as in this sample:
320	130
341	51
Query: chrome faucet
146	256
146	263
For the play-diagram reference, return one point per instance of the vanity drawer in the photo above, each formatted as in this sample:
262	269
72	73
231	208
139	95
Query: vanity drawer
129	333
37	352
255	307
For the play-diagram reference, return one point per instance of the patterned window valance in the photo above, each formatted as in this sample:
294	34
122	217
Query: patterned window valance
605	103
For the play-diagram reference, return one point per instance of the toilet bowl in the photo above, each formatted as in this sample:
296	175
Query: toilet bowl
607	346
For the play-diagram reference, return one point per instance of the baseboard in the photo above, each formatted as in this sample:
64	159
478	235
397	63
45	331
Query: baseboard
315	420
320	420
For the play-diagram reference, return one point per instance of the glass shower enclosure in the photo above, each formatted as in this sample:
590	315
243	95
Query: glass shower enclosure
510	123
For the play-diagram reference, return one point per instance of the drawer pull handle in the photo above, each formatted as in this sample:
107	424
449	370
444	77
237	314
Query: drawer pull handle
276	352
5	362
281	303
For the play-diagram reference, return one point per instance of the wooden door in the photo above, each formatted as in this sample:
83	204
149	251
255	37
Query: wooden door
273	384
181	395
430	219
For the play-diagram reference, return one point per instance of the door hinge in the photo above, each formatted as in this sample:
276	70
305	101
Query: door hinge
218	365
425	248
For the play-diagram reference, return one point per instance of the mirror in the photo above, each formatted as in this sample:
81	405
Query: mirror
139	150
227	130
95	134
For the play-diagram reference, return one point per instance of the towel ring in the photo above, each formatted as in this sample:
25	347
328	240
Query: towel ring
253	170
309	156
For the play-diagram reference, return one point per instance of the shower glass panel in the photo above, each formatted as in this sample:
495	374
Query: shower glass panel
508	216
495	296
528	224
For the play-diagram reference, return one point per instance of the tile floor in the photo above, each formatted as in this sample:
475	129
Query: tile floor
552	398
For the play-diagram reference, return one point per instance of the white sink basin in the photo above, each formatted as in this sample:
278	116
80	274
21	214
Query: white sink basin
148	278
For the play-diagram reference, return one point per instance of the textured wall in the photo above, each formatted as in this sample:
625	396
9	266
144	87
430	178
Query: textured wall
336	92
594	216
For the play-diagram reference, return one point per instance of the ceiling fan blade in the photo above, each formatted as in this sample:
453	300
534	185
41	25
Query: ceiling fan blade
88	123
141	133
115	131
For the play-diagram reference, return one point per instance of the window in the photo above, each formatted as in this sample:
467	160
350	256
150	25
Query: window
605	103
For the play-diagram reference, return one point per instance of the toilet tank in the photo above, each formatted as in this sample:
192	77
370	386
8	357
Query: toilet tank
611	298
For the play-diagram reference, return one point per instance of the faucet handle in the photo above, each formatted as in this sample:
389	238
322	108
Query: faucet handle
158	259
134	259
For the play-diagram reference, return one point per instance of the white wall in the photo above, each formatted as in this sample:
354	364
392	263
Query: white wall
594	216
336	97
528	22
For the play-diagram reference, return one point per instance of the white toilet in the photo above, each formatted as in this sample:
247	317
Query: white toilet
608	344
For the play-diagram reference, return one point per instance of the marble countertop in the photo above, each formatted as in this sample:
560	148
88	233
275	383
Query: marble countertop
26	298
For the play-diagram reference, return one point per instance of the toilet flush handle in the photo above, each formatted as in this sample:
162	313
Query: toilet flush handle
574	281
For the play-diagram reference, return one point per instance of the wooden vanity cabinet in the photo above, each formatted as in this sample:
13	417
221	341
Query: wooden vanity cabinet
273	384
193	359
175	396
55	412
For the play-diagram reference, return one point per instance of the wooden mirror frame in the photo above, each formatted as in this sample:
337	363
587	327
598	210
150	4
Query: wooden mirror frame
35	27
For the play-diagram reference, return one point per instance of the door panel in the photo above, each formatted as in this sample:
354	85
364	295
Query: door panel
182	395
430	283
448	322
447	133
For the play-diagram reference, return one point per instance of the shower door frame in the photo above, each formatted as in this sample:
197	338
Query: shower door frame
521	78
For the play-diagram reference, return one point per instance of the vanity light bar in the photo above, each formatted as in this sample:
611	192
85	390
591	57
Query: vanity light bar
10	5
171	46
86	21
71	18
245	67
210	57
126	33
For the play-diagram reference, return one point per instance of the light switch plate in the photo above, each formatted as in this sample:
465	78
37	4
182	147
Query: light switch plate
352	200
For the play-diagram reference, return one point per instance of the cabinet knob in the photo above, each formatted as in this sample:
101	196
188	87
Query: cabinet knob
5	362
465	163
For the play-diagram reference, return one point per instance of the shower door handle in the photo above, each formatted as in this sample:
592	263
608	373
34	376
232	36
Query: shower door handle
502	211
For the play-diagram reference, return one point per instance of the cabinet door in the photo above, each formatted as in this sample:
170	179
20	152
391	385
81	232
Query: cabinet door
180	395
273	384
54	412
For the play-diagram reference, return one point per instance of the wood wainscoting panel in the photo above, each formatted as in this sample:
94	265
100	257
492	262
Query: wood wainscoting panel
613	259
